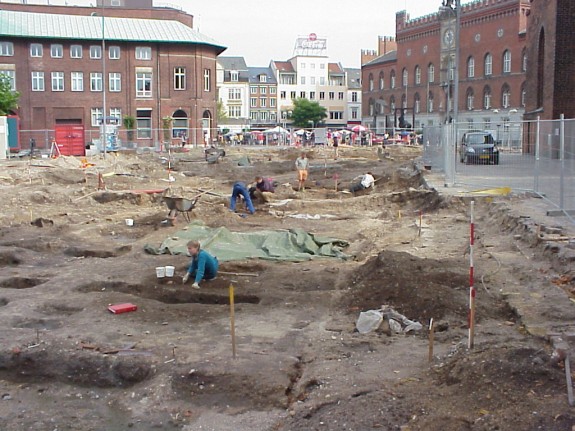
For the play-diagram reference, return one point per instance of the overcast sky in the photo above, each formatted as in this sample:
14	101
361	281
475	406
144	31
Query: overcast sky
264	30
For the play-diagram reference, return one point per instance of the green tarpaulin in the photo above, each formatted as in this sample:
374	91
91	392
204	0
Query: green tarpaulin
290	245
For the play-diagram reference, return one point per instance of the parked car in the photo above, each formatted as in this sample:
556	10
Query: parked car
478	147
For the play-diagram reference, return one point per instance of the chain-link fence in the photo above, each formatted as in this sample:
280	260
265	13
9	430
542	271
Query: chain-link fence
537	156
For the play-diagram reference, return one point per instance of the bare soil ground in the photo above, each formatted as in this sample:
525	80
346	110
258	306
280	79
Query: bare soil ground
66	253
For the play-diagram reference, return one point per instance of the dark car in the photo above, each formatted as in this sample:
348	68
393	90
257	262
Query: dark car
478	147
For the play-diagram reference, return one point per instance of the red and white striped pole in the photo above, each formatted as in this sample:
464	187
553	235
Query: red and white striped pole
471	315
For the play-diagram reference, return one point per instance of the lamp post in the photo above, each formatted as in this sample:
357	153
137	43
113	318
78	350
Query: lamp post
103	131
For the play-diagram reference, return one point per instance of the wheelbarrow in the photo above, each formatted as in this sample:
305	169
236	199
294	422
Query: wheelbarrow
180	205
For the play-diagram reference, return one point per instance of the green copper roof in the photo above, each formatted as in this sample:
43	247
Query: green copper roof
52	26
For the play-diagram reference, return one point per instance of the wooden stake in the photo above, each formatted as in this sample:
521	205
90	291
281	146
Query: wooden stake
232	321
244	274
568	377
420	221
431	339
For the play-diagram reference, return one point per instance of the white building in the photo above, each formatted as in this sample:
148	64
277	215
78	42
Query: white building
233	93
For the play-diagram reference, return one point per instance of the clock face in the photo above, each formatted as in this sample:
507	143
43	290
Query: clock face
448	37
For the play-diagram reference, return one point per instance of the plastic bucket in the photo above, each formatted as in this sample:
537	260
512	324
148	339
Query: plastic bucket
129	222
160	271
170	271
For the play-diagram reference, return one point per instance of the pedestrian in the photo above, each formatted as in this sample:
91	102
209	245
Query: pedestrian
239	191
301	164
264	189
365	182
203	265
335	148
183	137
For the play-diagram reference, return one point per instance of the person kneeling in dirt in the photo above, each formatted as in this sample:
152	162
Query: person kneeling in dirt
366	182
203	265
263	189
240	190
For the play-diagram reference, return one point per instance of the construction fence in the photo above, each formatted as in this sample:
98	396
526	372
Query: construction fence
536	156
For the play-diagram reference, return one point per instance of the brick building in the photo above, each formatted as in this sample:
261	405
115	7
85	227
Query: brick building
71	64
551	60
413	73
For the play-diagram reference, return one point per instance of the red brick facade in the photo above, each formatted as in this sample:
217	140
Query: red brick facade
491	32
44	109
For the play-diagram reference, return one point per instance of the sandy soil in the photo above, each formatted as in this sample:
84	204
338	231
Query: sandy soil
67	363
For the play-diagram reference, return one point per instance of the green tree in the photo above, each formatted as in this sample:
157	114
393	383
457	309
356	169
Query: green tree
8	98
307	113
222	114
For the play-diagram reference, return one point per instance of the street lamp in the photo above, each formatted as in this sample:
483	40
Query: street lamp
456	36
103	130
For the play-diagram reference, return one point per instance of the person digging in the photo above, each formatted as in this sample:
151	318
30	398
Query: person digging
203	265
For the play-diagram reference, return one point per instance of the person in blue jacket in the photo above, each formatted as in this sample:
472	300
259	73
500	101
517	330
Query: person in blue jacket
203	266
240	189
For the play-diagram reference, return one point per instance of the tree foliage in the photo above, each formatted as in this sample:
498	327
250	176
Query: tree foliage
307	113
8	98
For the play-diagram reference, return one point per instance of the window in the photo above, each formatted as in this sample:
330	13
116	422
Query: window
354	96
417	75
263	90
10	75
179	78
340	95
417	104
524	62
234	111
302	80
292	95
507	61
95	81
95	116
254	116
470	99
116	113
77	79
36	50
322	80
354	114
207	80
143	53
486	98
430	102
506	97
263	102
336	115
115	82
312	95
470	67
234	94
144	123
272	103
6	49
302	94
253	102
114	52
76	51
523	97
56	51
37	81
322	65
431	73
312	80
57	81
282	95
488	68
254	90
331	95
264	115
381	82
263	78
404	77
370	82
234	76
143	84
95	52
272	90
322	95
392	79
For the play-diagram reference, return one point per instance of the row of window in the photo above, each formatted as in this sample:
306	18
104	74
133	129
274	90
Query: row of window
470	99
487	71
312	95
262	90
263	115
143	80
76	51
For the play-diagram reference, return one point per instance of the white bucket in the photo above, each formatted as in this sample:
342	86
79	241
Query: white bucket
170	271
129	222
160	271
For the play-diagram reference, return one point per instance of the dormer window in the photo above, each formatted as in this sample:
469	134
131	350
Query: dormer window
263	78
234	76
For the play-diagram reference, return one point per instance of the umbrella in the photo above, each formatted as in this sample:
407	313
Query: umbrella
277	129
358	128
299	132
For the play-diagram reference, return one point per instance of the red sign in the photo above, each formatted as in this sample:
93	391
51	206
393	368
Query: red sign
312	36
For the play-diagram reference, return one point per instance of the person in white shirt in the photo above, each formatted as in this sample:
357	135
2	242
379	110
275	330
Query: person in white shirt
366	182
